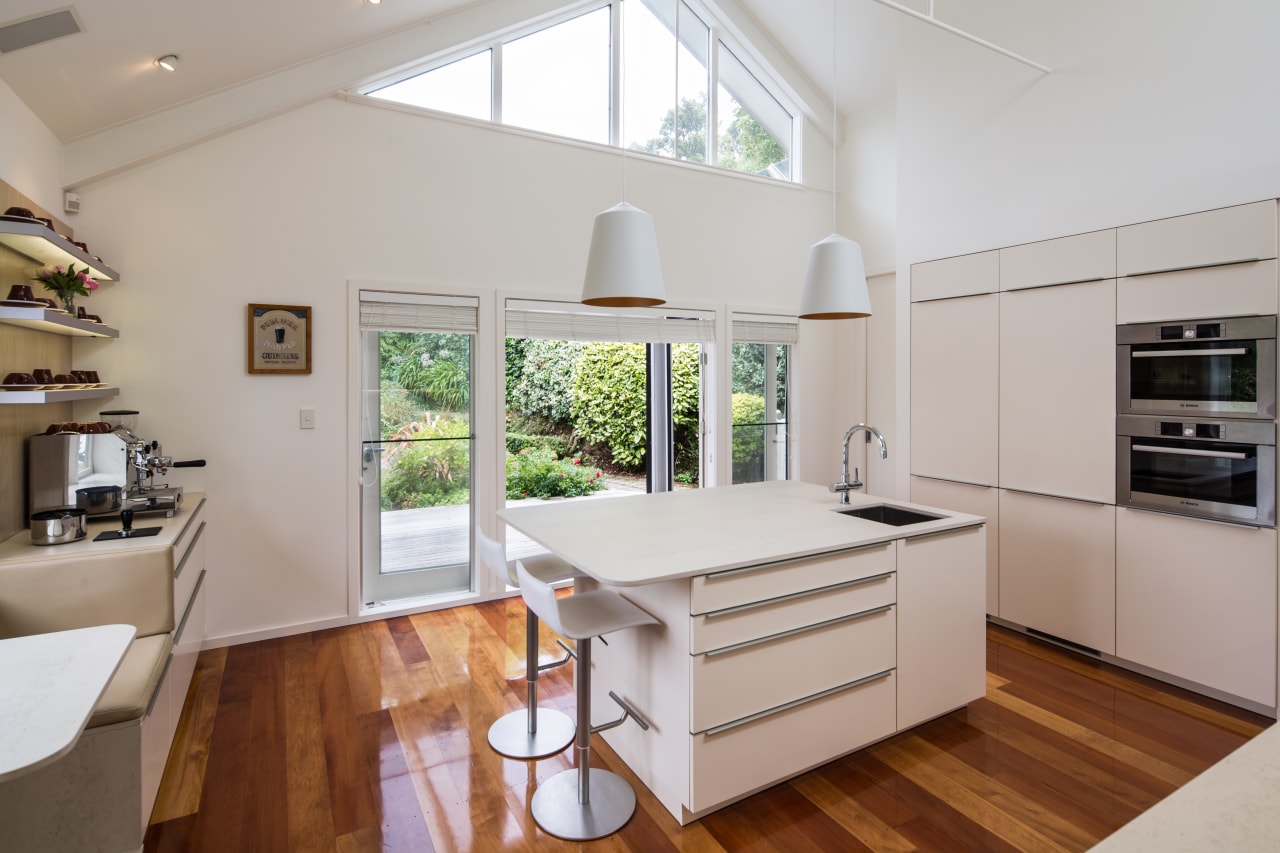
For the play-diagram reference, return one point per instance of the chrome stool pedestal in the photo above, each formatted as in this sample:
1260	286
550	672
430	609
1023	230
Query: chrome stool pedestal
534	732
584	803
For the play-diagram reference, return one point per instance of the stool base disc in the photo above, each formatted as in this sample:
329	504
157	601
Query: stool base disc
510	736
557	810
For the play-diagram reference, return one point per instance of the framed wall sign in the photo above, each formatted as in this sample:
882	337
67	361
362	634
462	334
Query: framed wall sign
279	339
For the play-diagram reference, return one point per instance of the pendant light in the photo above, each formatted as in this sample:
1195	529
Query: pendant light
835	280
623	266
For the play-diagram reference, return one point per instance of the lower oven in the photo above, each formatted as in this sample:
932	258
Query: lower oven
1223	470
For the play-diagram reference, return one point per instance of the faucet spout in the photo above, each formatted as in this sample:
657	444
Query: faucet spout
844	486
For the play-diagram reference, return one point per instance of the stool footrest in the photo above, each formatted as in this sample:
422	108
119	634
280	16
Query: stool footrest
627	711
568	656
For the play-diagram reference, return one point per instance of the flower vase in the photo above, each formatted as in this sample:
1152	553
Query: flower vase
69	303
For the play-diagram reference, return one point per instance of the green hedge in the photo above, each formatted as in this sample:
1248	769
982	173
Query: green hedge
539	474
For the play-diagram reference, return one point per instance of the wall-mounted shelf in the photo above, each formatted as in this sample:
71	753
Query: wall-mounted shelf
37	242
48	320
63	396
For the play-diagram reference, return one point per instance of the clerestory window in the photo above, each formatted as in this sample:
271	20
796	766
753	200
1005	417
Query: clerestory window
684	91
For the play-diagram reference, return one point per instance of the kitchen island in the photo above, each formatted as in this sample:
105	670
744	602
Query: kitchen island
791	633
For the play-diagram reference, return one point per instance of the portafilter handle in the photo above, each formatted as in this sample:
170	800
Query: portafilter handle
190	463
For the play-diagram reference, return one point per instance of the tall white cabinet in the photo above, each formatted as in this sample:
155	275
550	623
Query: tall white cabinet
1013	382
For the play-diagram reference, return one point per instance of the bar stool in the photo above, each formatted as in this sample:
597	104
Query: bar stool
535	732
583	804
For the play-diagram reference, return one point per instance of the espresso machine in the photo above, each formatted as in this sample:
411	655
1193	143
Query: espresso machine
103	467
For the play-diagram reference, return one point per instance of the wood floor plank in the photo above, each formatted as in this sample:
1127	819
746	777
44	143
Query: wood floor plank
374	737
179	793
308	799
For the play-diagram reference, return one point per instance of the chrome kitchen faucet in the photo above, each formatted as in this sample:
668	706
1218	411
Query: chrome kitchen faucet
844	486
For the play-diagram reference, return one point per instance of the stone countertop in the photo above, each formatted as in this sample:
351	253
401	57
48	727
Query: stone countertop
51	684
649	538
18	547
1230	806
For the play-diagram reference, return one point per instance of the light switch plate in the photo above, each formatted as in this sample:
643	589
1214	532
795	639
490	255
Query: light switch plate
306	419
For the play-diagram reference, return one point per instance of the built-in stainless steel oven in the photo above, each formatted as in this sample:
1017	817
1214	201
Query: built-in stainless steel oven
1225	470
1224	367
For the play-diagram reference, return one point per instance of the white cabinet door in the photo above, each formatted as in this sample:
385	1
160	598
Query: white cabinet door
1228	291
942	646
1227	235
955	389
975	500
964	275
1082	257
1197	599
1058	390
1057	568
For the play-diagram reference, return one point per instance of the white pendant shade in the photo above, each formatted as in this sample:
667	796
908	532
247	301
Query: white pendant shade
835	282
623	267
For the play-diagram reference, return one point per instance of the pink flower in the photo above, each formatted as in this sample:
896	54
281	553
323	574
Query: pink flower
577	462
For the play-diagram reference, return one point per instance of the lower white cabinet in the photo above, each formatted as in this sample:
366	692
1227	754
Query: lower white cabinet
1057	567
942	637
1197	599
976	500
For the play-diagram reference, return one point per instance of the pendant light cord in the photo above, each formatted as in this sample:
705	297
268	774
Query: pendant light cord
835	120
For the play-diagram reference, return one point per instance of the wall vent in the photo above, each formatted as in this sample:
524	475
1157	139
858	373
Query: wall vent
38	29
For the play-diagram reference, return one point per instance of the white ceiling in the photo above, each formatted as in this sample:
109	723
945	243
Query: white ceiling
82	83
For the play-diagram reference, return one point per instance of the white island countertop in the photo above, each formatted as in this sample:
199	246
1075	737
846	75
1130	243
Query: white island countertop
650	538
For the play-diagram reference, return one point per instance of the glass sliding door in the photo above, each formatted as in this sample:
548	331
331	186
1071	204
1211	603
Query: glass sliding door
416	445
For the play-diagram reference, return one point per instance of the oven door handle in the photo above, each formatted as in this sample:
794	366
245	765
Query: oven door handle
1174	353
1186	451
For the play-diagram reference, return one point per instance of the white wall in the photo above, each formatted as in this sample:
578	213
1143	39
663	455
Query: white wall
289	210
30	155
1152	109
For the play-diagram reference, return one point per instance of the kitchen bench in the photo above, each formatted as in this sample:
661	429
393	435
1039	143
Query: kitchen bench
99	796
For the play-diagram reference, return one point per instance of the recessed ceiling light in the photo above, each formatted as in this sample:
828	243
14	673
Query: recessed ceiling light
374	2
169	62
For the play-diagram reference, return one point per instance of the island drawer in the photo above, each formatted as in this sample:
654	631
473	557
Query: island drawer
734	587
760	752
738	681
734	625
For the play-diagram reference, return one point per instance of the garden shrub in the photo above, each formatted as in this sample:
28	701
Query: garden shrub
545	386
537	473
609	400
519	441
748	448
429	473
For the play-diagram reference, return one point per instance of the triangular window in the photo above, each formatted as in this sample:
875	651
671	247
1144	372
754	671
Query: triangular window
684	89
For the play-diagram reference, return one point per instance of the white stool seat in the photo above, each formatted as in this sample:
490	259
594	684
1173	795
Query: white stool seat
582	804
535	732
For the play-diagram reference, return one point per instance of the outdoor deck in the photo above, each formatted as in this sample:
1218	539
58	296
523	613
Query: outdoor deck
437	536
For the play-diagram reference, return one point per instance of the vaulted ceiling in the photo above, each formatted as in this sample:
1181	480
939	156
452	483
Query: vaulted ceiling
105	76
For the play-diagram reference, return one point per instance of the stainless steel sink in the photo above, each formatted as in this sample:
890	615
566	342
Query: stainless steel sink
894	515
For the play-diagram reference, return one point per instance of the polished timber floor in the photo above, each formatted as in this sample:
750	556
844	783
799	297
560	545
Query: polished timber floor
372	737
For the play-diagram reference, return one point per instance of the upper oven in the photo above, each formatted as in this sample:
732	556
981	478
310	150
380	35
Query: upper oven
1215	368
1224	470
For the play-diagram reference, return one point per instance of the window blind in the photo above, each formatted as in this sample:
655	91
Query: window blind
382	311
764	329
570	321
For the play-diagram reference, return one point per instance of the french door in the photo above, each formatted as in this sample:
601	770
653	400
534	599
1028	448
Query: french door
416	445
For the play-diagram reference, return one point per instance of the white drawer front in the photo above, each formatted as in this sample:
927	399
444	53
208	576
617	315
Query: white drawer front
1227	291
735	625
735	587
764	751
733	683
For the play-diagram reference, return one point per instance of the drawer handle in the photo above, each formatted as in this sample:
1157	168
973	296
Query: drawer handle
151	705
183	564
712	576
728	611
876	611
186	612
715	730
